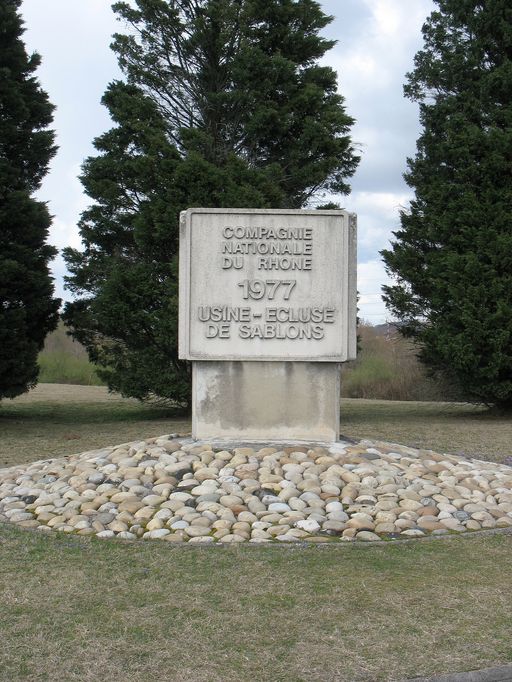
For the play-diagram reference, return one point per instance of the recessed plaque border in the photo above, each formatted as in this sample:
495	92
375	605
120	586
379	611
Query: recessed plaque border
347	341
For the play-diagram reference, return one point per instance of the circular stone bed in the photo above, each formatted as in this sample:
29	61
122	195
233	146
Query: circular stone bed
182	491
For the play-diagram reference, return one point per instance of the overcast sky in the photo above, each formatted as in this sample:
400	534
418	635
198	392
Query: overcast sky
377	40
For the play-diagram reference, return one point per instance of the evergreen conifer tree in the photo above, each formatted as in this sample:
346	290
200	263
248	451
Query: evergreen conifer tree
224	105
28	310
452	257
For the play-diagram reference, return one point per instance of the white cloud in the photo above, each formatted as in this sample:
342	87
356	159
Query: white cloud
378	216
58	271
64	234
393	18
67	202
387	17
371	275
373	62
385	204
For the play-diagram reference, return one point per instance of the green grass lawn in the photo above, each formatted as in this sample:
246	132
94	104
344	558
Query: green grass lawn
76	609
62	368
80	609
444	427
56	419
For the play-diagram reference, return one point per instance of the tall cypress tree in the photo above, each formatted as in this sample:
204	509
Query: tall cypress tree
28	310
452	257
224	104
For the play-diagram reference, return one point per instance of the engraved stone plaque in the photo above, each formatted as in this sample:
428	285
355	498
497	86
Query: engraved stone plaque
267	285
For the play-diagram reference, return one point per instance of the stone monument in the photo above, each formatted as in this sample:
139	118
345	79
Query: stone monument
267	314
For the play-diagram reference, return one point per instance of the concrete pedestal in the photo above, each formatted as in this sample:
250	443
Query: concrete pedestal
266	400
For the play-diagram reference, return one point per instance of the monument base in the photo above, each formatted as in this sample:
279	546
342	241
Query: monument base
296	401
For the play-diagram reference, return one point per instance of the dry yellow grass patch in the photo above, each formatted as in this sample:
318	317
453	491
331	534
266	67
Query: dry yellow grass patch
57	419
76	609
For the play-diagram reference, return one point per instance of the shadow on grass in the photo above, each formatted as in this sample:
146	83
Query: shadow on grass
362	410
88	413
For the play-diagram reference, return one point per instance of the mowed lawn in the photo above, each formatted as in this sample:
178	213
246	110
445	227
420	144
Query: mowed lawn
59	419
79	609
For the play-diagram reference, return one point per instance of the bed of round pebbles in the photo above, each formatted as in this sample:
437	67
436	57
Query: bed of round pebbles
181	491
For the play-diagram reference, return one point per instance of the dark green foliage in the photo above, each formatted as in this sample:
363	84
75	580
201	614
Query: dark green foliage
28	310
452	257
224	105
